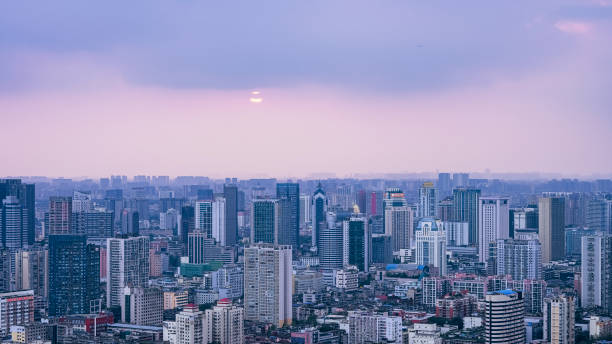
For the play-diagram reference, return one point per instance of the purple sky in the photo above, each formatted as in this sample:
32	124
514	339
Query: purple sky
359	86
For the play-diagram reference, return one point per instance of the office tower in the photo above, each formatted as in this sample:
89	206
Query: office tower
357	242
265	221
521	259
431	245
142	306
268	284
461	179
74	274
552	228
198	244
290	193
361	201
130	222
427	200
96	224
13	224
331	244
190	326
598	215
559	320
31	272
169	220
25	193
398	225
446	210
343	197
319	211
444	184
493	224
457	233
187	224
305	210
225	323
5	270
366	327
230	193
596	272
465	205
60	215
81	202
203	217
504	319
127	264
16	308
219	227
229	281
382	250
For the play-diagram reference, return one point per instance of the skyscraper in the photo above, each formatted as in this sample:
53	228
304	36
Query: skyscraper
330	244
32	273
187	225
461	179
465	205
552	228
230	193
142	306
596	271
427	200
13	224
74	274
81	202
493	224
60	215
203	217
265	221
268	284
190	326
305	209
444	184
219	216
199	242
25	193
291	212
431	245
559	321
521	259
504	319
130	222
357	242
398	219
127	264
319	210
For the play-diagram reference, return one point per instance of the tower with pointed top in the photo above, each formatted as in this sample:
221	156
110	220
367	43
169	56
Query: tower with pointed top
319	211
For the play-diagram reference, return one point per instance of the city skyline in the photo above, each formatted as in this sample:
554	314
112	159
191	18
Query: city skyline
387	88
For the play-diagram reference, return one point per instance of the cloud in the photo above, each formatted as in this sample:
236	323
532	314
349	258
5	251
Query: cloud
574	27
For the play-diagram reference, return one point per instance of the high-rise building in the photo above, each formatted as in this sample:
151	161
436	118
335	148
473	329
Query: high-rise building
521	259
190	326
225	323
596	271
130	222
204	217
16	308
382	250
552	228
465	205
367	327
319	211
305	210
198	244
504	319
74	274
187	225
427	200
230	193
375	204
357	242
398	219
331	244
81	202
13	224
265	221
446	210
60	215
219	227
431	244
457	233
31	272
127	264
559	320
290	213
142	306
444	184
461	179
25	193
268	284
96	224
493	224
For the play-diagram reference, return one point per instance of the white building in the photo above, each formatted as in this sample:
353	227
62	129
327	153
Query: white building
595	270
424	334
127	264
218	221
457	233
347	279
374	328
142	306
493	223
521	259
431	245
399	224
190	326
204	216
268	284
504	317
81	202
427	200
225	323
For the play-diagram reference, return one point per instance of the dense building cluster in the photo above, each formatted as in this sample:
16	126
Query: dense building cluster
451	259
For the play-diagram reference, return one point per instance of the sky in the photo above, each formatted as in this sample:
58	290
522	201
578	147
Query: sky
345	87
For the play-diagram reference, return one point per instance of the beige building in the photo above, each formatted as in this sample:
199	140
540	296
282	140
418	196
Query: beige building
558	314
225	323
552	228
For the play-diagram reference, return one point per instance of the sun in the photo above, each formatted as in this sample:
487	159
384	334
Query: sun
256	97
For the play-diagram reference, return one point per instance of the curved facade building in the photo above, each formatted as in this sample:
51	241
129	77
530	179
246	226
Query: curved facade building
504	317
